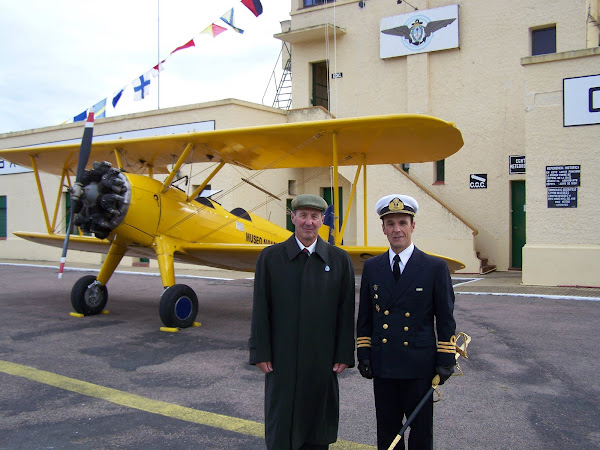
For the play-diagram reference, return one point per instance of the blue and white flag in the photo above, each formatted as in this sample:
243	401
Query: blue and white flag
228	19
141	86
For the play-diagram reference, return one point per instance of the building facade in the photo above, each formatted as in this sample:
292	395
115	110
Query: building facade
520	79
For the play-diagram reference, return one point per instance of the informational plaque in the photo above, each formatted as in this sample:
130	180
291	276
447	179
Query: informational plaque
562	197
516	164
563	176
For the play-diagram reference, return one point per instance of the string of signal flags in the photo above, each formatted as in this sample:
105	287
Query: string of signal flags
141	85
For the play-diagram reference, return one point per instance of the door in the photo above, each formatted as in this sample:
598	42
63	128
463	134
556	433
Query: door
518	234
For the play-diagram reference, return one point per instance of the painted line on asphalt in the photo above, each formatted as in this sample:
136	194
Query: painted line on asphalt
551	297
234	424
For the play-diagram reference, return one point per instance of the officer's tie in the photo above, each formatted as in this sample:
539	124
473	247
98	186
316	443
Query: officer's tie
396	269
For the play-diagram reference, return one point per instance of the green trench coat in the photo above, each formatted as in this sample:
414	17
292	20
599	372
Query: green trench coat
303	322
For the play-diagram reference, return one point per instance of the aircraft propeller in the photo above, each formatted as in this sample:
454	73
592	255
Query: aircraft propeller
77	189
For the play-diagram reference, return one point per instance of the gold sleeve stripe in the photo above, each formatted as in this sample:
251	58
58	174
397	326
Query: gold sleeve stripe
363	339
364	345
442	350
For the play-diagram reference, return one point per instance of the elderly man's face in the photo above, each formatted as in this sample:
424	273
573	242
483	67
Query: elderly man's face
307	222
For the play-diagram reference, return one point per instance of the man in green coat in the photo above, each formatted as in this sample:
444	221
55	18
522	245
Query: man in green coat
302	333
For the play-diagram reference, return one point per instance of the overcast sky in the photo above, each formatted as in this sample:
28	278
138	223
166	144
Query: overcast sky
61	57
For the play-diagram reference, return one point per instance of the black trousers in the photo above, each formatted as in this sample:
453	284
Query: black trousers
395	399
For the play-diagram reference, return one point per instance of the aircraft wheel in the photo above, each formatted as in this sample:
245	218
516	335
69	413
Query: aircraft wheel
88	297
178	306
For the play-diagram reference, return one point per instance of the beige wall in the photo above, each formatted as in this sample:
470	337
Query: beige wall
563	244
481	86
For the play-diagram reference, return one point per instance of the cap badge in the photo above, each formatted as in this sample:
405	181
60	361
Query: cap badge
396	205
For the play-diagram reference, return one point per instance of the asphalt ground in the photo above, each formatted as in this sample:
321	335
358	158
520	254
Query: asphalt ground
117	381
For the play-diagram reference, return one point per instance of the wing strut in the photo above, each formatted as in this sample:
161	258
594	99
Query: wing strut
336	194
203	185
352	192
182	158
39	186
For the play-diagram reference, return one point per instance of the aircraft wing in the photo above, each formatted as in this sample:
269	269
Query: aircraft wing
243	257
240	257
390	139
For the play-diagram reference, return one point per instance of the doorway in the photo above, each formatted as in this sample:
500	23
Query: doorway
518	211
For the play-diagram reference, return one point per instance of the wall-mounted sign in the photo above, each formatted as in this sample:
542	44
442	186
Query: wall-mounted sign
581	100
516	164
337	75
8	168
478	181
419	32
563	176
562	197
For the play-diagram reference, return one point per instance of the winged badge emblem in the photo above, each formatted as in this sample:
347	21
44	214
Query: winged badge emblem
418	32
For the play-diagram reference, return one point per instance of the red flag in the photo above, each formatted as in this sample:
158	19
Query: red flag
189	44
253	5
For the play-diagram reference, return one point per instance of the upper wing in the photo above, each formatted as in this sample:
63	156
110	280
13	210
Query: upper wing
393	139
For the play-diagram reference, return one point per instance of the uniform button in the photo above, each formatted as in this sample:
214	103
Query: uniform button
385	326
405	328
376	296
386	312
384	340
406	344
407	314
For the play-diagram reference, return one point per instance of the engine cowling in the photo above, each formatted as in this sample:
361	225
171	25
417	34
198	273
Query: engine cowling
101	199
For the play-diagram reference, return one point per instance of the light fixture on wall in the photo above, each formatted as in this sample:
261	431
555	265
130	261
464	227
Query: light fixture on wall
362	4
414	7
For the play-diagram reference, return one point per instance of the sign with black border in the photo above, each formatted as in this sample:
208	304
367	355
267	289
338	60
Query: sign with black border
478	181
563	176
563	197
516	164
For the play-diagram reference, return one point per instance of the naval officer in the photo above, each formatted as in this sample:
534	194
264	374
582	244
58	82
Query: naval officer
405	327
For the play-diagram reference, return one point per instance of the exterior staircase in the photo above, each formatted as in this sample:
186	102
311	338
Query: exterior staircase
484	266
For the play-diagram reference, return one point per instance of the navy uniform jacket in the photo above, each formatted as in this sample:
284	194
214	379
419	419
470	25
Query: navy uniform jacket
396	328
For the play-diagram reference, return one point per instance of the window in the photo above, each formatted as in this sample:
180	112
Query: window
316	2
440	171
543	41
320	90
291	187
3	217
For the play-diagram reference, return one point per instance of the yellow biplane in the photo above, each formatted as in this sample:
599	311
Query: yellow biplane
139	215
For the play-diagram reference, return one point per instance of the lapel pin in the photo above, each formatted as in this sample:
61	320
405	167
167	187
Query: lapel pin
327	269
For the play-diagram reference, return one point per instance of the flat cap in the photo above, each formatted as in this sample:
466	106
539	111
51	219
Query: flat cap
396	204
309	201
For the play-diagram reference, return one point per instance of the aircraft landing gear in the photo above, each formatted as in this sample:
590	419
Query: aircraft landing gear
178	306
88	296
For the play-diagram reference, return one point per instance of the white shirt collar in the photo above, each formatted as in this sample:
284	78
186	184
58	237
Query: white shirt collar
310	248
404	256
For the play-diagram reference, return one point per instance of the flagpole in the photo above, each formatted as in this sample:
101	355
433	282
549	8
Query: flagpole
158	51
